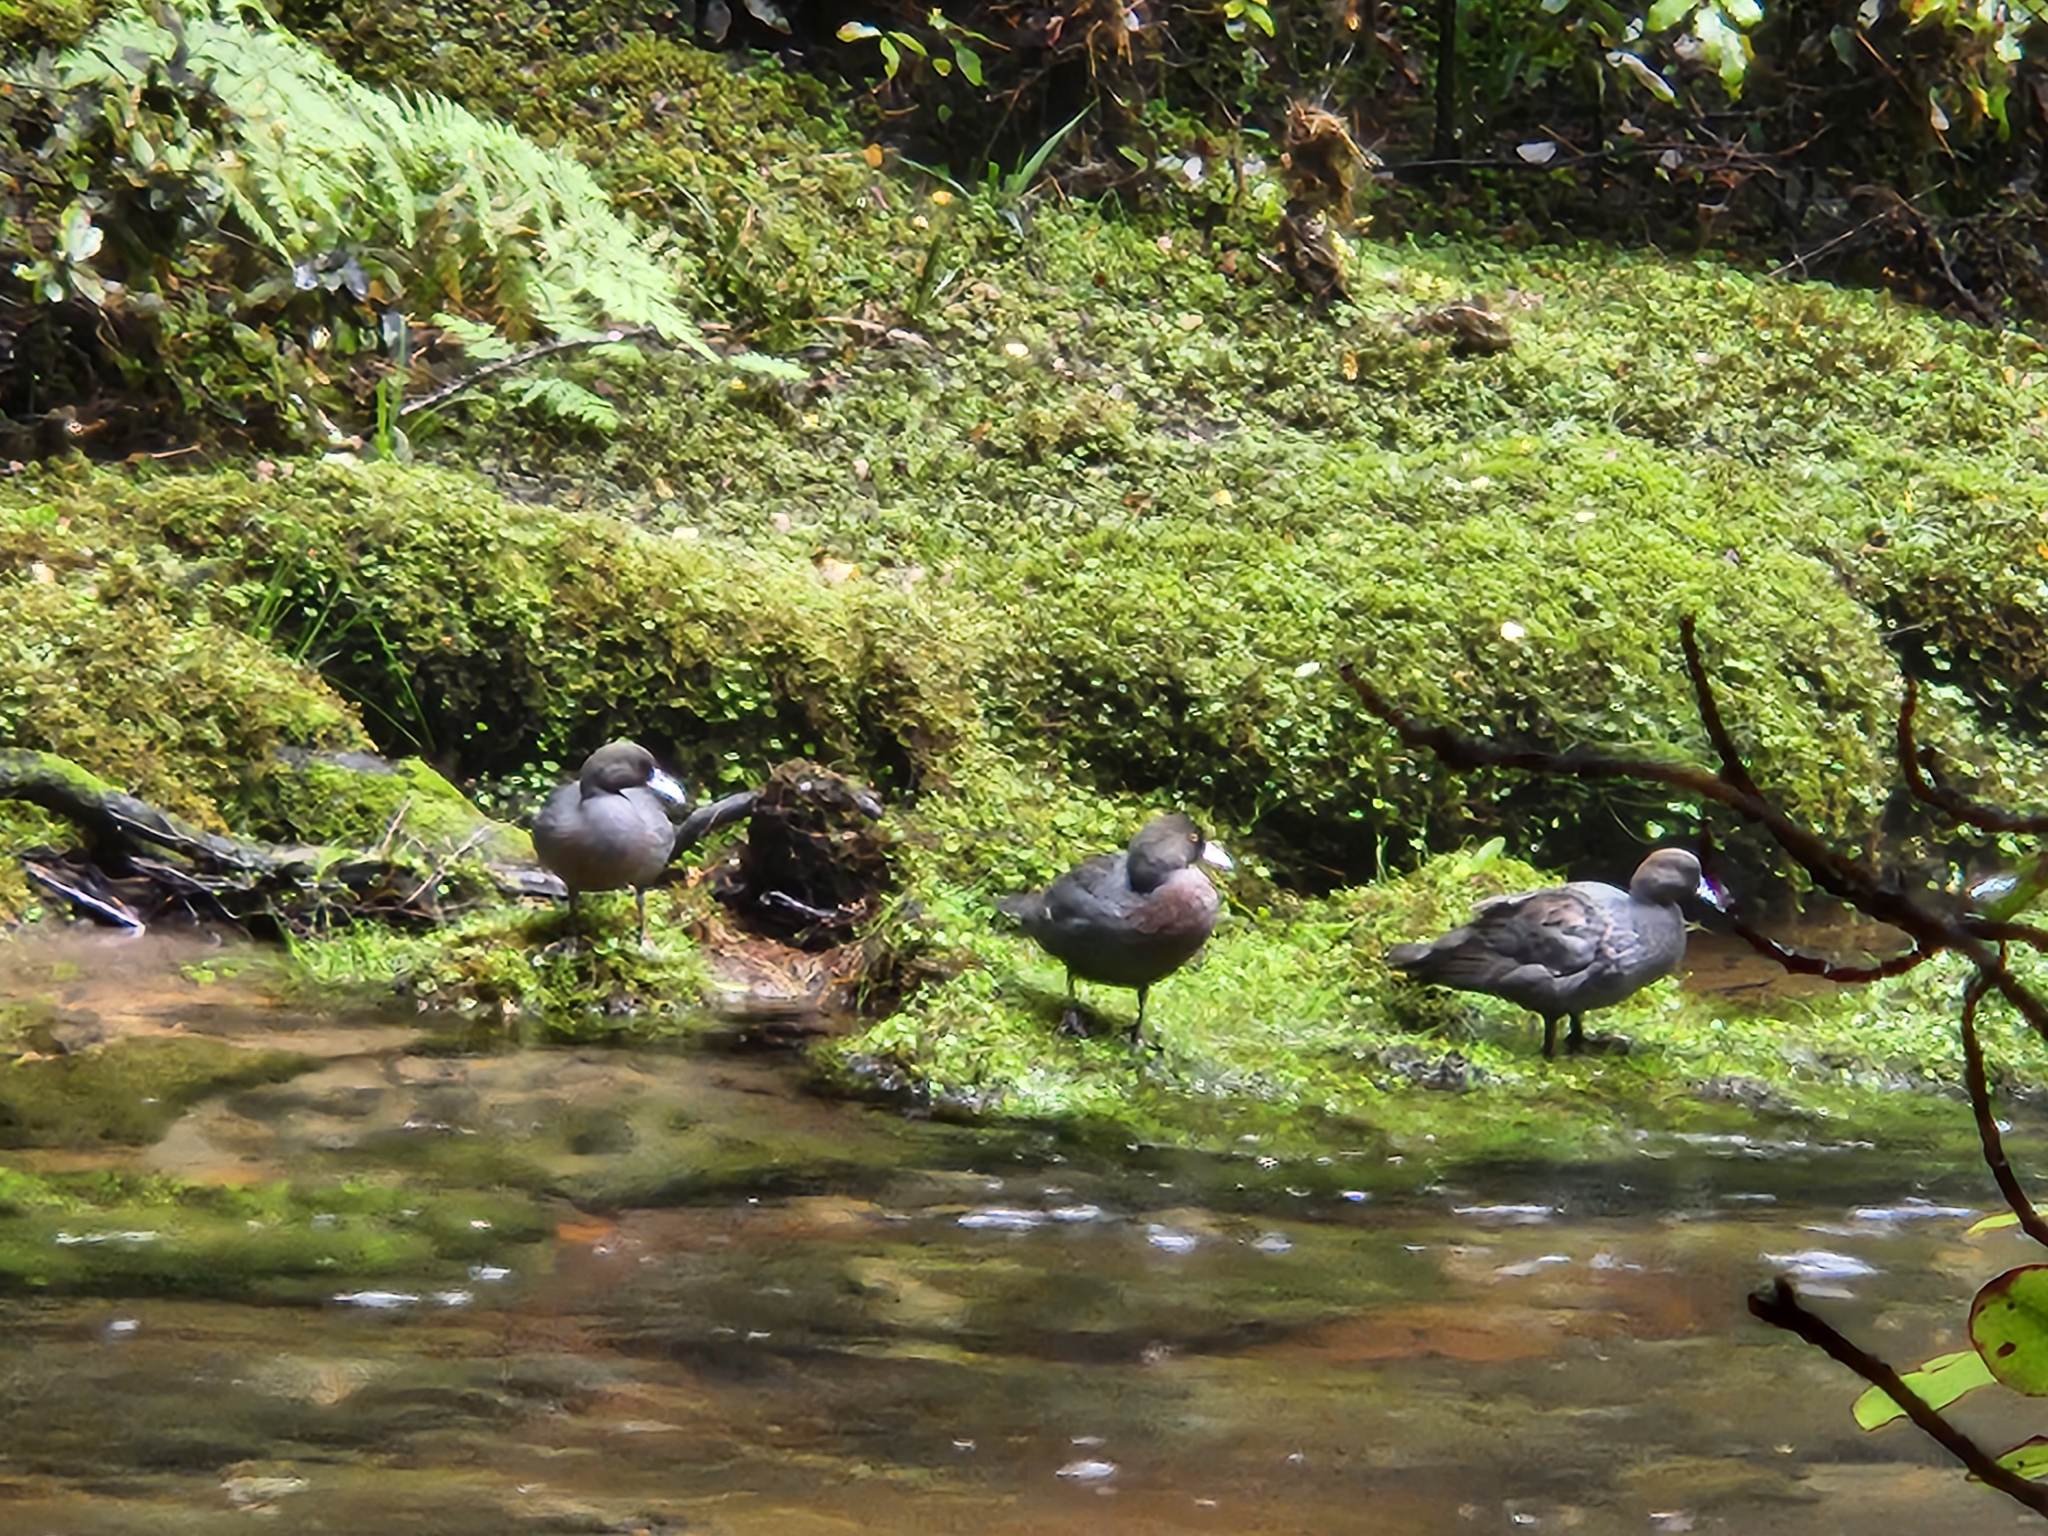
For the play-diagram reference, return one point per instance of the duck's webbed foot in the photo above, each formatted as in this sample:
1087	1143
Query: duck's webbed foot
1579	1043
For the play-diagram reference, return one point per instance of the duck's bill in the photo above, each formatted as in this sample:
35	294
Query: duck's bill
1212	854
668	788
1993	889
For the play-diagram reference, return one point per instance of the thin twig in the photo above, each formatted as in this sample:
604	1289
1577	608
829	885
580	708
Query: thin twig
448	860
1921	781
1781	1308
519	360
1979	1084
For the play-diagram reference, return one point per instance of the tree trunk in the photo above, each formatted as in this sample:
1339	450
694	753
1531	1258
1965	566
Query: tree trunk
1446	146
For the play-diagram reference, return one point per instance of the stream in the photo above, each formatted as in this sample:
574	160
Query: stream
704	1299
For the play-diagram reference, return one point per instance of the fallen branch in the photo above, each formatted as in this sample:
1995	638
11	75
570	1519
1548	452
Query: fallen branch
160	859
517	361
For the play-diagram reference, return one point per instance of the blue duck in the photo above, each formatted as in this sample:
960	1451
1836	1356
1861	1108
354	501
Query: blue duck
610	830
1571	948
1127	919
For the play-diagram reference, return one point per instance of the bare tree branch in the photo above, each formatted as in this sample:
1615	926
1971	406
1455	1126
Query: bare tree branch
1781	1308
1932	921
1920	779
1979	1085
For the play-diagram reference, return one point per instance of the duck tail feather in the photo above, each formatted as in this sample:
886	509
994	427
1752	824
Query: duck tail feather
1403	956
1022	907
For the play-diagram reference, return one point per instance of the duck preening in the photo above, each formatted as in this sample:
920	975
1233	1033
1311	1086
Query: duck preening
1563	951
1128	919
609	830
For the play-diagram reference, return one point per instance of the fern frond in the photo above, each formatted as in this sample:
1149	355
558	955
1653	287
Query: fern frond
569	402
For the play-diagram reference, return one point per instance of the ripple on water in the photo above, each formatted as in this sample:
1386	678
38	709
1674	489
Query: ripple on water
1505	1215
1820	1264
1913	1208
998	1218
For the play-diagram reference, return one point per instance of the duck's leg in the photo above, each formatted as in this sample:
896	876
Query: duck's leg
1138	1024
1070	1021
1549	1036
640	906
575	921
1575	1042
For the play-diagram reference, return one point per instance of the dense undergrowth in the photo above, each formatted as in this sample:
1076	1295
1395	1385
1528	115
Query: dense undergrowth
1077	512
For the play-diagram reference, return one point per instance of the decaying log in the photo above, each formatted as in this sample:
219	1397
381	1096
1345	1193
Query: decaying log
814	866
138	862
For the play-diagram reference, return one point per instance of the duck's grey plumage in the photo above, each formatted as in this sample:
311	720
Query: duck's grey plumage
1569	949
1128	919
609	830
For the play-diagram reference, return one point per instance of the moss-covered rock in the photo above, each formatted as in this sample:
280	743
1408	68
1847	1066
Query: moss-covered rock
1291	1017
358	800
111	658
128	1091
532	972
111	1233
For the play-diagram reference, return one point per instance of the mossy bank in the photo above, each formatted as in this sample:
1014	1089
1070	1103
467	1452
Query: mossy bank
1076	513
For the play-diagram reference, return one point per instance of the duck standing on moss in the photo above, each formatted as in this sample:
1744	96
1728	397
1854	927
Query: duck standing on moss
609	830
1562	951
1127	919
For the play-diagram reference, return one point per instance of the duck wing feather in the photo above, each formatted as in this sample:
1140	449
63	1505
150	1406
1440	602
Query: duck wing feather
1560	932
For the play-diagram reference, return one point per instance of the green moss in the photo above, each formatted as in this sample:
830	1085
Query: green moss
356	801
521	969
125	1092
117	665
133	1234
1291	1018
23	827
26	24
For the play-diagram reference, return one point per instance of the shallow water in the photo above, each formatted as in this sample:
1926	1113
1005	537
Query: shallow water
734	1307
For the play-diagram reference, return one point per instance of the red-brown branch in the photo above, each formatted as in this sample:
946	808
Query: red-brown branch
1979	1084
1928	789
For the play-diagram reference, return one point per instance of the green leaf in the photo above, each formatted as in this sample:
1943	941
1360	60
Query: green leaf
892	58
942	67
906	40
1655	83
82	238
1262	18
2009	1327
1939	1382
969	61
857	32
1668	13
768	367
1743	13
1729	48
2029	1458
1993	1223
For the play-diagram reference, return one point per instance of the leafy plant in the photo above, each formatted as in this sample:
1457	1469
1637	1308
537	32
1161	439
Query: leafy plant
951	46
253	233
